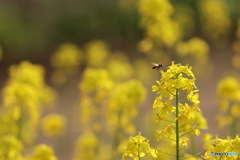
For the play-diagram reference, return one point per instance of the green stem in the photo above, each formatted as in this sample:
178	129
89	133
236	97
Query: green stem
177	128
233	128
166	153
169	138
138	153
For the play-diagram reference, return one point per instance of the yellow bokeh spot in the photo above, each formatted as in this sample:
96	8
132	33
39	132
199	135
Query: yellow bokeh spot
53	125
215	18
96	53
228	88
43	152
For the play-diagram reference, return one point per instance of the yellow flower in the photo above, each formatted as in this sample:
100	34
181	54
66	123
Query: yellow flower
156	20
97	53
193	97
206	140
211	22
145	45
159	118
86	146
196	47
10	147
53	125
235	110
66	61
223	105
223	145
67	57
197	132
175	78
168	130
24	97
174	82
158	102
184	142
96	80
228	88
166	108
236	144
223	120
138	146
201	120
119	67
159	134
43	152
183	118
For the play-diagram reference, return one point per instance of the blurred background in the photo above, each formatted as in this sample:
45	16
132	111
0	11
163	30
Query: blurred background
76	75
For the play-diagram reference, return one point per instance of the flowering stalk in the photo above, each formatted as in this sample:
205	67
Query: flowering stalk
228	91
177	79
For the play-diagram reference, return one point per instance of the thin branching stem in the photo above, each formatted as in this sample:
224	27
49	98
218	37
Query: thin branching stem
138	153
183	148
171	93
168	153
192	156
169	121
189	131
170	138
185	130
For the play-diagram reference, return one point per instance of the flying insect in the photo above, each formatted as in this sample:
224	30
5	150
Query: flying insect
157	66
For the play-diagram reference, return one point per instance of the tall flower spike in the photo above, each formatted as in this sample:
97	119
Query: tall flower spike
176	82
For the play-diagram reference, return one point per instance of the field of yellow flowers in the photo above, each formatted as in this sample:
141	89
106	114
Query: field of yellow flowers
97	103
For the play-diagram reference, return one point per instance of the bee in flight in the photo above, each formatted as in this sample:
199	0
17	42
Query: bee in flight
157	66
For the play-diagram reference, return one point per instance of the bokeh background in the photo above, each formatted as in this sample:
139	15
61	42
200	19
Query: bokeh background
76	75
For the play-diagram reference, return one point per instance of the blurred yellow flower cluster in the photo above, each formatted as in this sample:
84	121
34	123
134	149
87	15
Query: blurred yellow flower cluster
156	20
23	105
86	146
122	106
167	26
229	88
119	67
228	91
109	101
66	61
112	107
69	58
53	124
215	19
25	97
195	47
96	53
10	148
96	79
236	49
43	152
